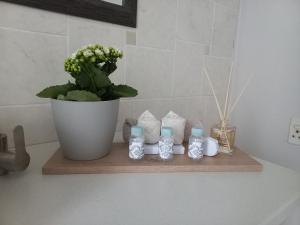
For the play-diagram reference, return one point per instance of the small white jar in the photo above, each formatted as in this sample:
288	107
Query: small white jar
136	143
196	144
165	144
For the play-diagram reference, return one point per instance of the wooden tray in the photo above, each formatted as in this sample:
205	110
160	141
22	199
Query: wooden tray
118	162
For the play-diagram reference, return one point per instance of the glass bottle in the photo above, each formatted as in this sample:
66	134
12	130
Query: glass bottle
196	144
225	135
165	144
136	143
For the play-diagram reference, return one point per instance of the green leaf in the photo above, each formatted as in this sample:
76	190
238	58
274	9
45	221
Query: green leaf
124	91
101	79
83	81
82	96
54	91
108	94
101	92
87	76
109	67
98	78
61	97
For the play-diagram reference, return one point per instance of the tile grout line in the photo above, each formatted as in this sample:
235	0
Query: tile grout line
32	32
126	55
237	81
137	27
37	143
99	23
235	11
204	64
165	99
175	51
151	48
68	36
218	57
212	28
123	100
24	105
190	42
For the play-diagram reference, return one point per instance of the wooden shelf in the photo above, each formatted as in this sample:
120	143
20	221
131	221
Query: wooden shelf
118	162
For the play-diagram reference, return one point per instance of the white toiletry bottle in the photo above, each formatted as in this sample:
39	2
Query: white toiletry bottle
165	144
196	144
136	143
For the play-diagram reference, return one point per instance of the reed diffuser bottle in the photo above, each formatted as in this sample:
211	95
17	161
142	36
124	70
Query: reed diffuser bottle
224	133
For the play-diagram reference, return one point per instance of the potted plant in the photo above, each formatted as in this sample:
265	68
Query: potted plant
85	110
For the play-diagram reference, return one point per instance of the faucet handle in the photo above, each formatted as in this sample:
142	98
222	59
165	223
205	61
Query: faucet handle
3	148
3	143
19	139
13	161
22	157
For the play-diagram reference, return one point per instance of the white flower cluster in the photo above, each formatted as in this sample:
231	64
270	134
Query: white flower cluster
91	54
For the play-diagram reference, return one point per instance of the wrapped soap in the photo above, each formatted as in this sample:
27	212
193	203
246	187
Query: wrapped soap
188	128
177	123
151	127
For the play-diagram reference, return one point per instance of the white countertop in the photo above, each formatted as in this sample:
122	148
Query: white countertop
29	198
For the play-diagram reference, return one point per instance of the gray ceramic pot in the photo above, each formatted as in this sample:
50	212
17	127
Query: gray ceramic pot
85	129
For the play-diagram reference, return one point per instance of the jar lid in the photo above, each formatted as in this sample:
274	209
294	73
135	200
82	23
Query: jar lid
166	131
137	131
197	132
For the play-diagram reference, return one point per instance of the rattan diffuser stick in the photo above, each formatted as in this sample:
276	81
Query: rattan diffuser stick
239	96
227	93
214	94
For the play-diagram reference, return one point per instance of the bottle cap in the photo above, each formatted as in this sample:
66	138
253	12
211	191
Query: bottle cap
197	132
166	131
137	131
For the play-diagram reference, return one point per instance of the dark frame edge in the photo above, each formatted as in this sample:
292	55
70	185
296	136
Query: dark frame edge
125	15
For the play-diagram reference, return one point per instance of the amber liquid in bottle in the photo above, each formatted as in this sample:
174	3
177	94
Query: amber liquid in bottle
225	135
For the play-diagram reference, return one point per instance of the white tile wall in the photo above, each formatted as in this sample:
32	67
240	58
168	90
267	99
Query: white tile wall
157	23
30	19
195	19
29	62
84	31
232	4
150	71
190	107
188	77
174	40
224	31
36	119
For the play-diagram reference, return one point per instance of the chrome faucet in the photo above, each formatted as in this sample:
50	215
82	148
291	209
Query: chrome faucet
13	161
